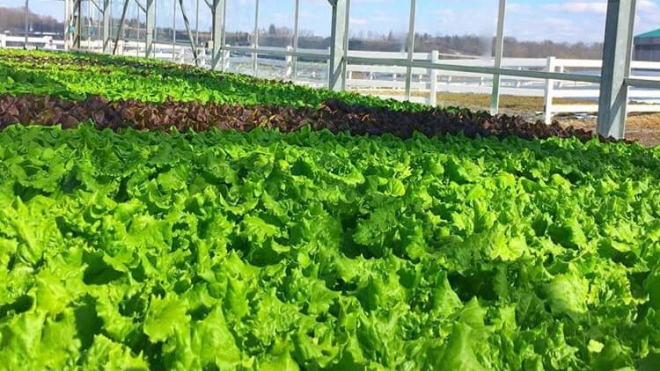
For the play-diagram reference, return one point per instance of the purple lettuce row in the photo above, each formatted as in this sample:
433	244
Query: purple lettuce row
334	115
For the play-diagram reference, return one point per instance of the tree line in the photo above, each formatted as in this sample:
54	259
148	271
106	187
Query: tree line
12	20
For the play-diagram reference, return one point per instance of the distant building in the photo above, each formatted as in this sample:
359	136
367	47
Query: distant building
647	46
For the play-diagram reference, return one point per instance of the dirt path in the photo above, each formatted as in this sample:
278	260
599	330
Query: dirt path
644	128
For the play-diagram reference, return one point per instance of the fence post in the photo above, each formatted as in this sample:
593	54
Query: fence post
289	63
3	41
433	98
549	89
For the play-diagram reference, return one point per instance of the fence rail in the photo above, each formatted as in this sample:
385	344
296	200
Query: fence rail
384	73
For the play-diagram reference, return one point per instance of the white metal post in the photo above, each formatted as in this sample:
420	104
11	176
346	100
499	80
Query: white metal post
149	42
197	27
67	23
106	26
337	67
631	47
173	30
89	23
499	52
137	32
411	45
296	25
549	92
255	43
344	60
226	57
616	68
27	12
216	33
78	29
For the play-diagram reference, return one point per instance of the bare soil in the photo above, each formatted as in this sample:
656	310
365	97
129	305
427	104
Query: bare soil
643	128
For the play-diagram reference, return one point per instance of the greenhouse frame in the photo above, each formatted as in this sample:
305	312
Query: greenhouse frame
291	185
614	81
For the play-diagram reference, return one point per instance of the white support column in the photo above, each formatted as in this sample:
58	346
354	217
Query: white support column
197	26
3	41
27	13
433	98
338	48
174	30
346	44
106	25
226	57
410	45
499	52
255	44
631	48
616	68
296	25
149	41
67	23
549	92
78	17
218	26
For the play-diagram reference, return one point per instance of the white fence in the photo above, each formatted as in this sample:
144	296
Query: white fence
429	83
389	81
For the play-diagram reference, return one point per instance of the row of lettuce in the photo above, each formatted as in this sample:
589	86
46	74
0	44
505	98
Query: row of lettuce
79	76
266	251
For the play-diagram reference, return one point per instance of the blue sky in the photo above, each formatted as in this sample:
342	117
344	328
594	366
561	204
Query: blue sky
558	20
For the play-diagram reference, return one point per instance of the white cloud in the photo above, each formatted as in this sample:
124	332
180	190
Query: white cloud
599	7
358	22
